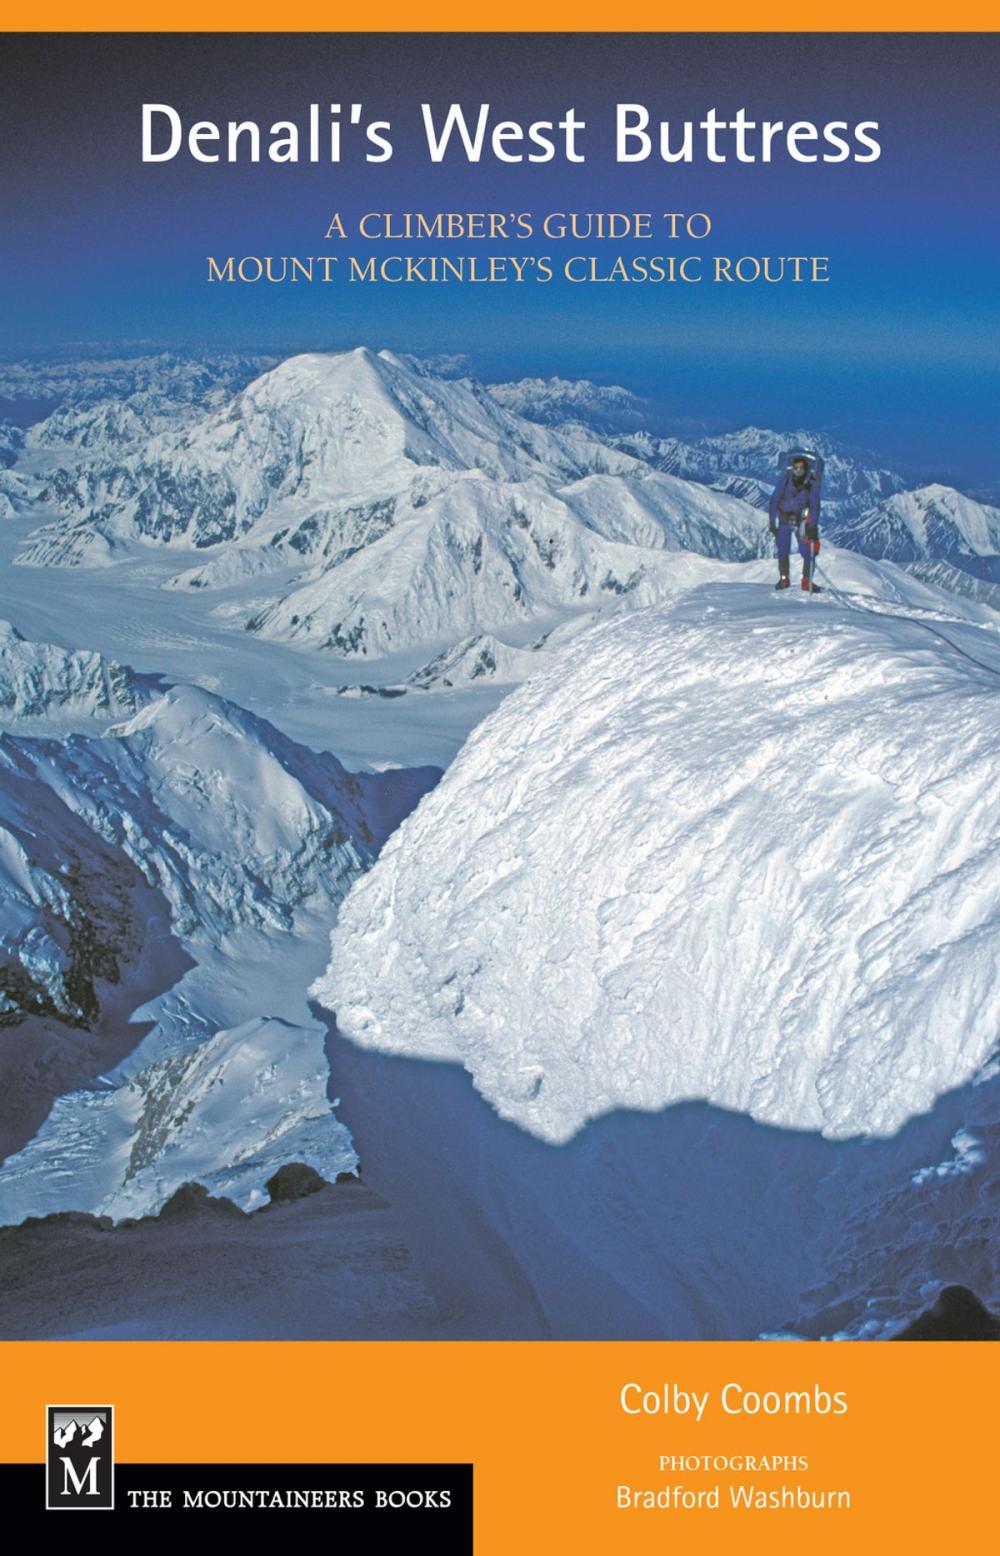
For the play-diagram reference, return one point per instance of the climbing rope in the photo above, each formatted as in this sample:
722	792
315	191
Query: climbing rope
913	621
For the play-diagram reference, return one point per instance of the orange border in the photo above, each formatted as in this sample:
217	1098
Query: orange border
515	16
540	1421
543	1425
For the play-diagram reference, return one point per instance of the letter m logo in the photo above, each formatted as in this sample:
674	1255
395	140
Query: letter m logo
79	1457
79	1485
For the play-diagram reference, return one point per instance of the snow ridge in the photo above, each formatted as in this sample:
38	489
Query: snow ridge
702	856
933	523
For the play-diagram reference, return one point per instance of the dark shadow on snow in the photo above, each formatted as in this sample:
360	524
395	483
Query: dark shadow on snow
690	1222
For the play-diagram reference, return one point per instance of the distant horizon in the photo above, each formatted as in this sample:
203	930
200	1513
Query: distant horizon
910	451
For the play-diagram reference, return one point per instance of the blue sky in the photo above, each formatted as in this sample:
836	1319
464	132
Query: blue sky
898	352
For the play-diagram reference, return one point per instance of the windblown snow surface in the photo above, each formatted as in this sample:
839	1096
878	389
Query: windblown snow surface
701	932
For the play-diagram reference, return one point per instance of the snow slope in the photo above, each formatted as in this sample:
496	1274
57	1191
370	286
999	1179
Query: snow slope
745	779
234	822
692	953
226	1111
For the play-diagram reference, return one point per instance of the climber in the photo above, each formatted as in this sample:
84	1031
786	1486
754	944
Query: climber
794	508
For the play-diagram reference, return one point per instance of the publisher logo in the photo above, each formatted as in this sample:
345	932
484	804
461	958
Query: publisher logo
79	1457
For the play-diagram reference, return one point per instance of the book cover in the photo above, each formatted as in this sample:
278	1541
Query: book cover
499	904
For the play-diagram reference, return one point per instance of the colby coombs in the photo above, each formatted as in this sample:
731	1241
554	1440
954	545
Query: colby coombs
749	1497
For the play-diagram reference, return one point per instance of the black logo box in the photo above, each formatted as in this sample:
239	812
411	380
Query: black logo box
80	1450
433	1499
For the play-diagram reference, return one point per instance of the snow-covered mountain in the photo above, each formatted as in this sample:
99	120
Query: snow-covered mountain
699	869
956	581
377	508
744	463
933	523
110	424
476	660
94	410
44	681
553	401
227	1111
312	445
229	818
484	554
72	909
17	492
487	658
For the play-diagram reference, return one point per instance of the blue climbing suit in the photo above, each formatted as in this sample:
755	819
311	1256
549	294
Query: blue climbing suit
794	511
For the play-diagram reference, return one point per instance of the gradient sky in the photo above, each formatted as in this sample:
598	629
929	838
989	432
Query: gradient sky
898	352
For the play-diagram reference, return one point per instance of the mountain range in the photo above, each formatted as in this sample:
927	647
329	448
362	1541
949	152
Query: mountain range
365	507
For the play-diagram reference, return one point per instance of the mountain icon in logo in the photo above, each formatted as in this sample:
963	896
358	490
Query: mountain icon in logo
86	1435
